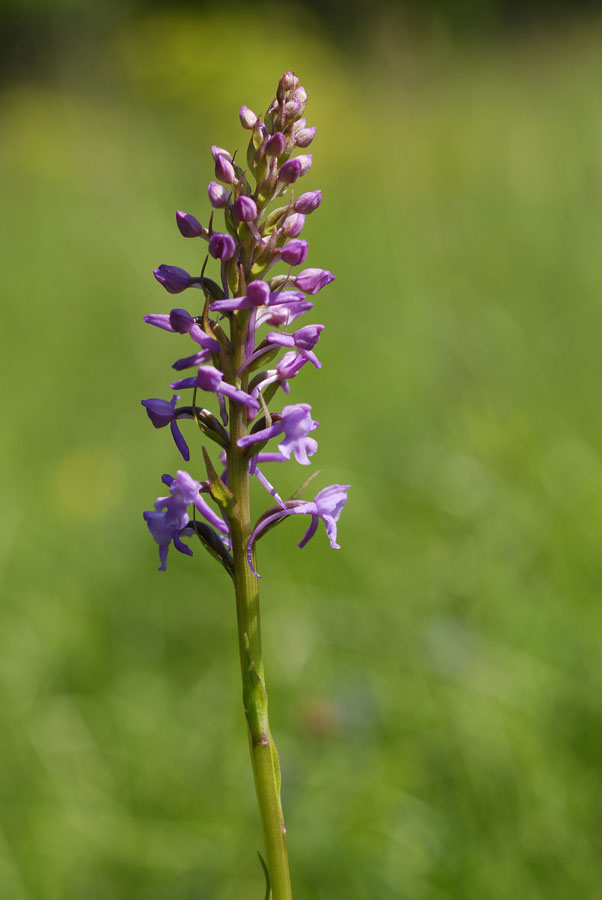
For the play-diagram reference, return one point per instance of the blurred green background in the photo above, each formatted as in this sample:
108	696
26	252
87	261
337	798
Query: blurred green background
435	685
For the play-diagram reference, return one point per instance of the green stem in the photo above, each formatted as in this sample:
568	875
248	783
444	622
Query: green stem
264	758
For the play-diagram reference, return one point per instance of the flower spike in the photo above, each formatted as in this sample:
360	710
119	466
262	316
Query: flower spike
245	350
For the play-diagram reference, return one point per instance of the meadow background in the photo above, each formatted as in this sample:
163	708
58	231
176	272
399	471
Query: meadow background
435	685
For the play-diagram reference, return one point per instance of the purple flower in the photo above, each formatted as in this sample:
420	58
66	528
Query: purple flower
288	82
244	209
292	109
294	253
208	378
326	505
308	202
304	136
222	246
224	170
188	225
275	144
247	117
296	423
230	358
218	195
162	413
292	170
170	517
219	151
180	320
258	294
300	96
310	281
293	225
173	279
305	339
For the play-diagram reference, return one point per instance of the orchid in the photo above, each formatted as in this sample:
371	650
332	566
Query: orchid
230	359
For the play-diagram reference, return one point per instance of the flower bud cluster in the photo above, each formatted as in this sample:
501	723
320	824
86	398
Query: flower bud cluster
232	354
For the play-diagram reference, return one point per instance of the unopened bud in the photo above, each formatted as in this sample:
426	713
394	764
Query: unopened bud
294	253
224	170
292	170
247	117
275	144
292	110
173	278
218	195
310	281
308	202
219	151
293	225
244	209
288	82
300	96
305	136
258	293
189	226
222	246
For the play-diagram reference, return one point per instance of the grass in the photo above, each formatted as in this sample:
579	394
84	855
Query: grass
434	685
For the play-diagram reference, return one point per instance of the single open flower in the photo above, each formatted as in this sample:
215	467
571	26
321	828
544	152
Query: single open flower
170	518
327	505
295	424
208	378
258	294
